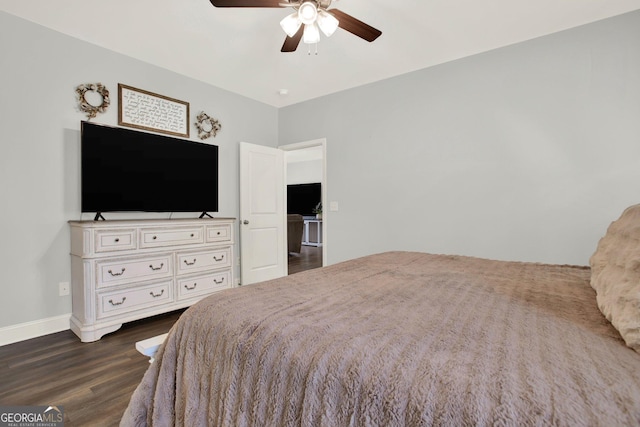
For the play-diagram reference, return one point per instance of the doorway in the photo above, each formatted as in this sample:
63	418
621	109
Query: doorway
305	168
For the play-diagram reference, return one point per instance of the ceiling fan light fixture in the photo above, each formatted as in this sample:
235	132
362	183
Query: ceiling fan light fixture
291	24
327	23
311	34
308	12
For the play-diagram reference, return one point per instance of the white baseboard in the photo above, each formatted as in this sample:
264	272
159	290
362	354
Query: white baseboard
34	329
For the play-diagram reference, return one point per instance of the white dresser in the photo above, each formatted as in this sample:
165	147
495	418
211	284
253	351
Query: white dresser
127	270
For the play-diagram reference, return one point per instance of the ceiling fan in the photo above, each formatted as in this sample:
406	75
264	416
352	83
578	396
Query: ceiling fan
310	17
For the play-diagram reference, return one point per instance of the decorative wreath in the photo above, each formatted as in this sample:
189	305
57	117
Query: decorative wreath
93	110
207	126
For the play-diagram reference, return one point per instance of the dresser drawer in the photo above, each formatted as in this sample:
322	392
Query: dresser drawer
115	240
127	270
219	233
199	285
190	262
133	299
158	237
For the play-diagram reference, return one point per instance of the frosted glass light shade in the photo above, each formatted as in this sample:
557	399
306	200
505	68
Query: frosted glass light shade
311	34
291	24
327	23
308	12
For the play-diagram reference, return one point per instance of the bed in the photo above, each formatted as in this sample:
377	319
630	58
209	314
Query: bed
411	339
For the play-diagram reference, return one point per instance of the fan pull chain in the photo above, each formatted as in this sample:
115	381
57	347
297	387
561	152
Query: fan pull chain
309	49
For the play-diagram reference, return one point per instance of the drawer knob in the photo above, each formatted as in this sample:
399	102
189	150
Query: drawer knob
218	233
190	288
155	237
221	280
116	274
117	240
156	268
192	234
190	263
218	260
117	303
156	295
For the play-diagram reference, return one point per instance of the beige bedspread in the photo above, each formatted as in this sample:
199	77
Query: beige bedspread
396	339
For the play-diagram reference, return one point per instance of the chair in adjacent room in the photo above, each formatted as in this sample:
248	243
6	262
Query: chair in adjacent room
295	224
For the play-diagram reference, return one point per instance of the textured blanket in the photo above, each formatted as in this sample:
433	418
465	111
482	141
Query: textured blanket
396	339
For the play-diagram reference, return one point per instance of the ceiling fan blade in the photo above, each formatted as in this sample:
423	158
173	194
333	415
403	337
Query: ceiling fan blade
248	3
355	26
291	43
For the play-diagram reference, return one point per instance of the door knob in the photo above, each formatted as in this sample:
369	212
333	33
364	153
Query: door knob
245	222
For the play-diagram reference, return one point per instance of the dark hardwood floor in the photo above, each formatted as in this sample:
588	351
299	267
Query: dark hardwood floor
309	257
93	382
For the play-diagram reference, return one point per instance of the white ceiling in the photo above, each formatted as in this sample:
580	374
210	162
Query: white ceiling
238	49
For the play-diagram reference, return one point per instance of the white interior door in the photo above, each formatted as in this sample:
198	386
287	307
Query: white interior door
262	214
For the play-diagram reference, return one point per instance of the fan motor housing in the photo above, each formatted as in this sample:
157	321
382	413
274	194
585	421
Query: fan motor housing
323	4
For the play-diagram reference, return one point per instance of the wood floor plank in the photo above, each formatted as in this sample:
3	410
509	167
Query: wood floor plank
92	381
309	257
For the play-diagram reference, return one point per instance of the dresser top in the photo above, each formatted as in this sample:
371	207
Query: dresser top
149	222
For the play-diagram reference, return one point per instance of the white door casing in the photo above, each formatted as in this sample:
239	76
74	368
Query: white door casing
262	214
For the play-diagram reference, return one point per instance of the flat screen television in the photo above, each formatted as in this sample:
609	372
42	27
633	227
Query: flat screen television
125	170
303	198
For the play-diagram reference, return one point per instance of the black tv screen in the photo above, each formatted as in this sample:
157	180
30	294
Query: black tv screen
127	170
303	198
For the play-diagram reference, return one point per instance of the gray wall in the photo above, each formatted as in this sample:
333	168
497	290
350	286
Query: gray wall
305	172
526	152
40	158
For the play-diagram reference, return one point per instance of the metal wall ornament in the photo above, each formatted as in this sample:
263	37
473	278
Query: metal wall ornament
88	107
207	126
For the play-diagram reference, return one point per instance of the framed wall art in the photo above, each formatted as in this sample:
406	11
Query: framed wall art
142	109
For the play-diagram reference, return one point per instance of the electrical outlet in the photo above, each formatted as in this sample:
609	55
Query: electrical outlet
64	288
